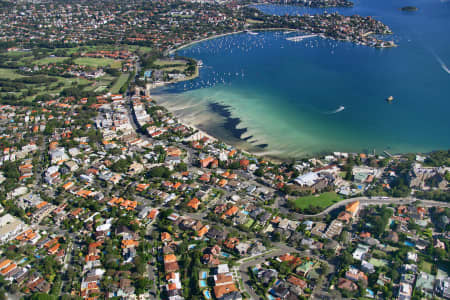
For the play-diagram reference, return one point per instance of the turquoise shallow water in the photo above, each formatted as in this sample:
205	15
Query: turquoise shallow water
286	94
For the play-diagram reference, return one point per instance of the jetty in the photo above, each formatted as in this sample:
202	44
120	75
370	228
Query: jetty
300	37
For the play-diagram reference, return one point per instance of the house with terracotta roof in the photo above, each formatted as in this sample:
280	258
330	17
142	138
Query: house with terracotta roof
28	236
142	187
297	282
352	208
231	242
166	237
173	151
221	290
345	284
170	258
244	163
344	216
153	214
8	269
115	178
204	163
68	185
203	231
84	193
223	279
230	212
4	263
54	249
356	275
129	244
222	182
286	257
365	234
194	203
205	177
231	153
171	267
170	263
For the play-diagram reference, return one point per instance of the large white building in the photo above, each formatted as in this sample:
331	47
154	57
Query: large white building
10	227
308	179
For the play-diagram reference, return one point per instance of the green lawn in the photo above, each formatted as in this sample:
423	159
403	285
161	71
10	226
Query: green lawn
98	62
323	200
425	266
54	90
130	48
379	253
119	82
9	74
17	53
378	262
166	62
249	223
50	89
49	60
256	228
177	68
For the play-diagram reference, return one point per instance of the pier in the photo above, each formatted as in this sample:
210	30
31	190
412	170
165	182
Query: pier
300	37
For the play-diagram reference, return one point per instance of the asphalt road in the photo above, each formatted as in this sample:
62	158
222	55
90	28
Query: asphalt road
364	201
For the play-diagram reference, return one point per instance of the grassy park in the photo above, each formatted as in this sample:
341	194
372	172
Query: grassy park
19	85
119	83
98	62
166	62
322	200
49	60
425	266
9	74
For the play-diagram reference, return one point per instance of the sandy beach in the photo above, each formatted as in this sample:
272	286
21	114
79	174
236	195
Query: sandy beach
212	124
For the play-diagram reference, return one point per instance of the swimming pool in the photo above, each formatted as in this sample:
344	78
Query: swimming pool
202	283
224	254
207	294
23	260
203	275
408	243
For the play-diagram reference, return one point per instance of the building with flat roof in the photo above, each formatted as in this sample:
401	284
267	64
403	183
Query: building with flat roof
10	227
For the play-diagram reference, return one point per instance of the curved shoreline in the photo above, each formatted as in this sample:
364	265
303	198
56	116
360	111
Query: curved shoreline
203	40
230	123
226	34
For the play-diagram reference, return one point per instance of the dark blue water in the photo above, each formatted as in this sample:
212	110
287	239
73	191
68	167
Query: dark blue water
288	94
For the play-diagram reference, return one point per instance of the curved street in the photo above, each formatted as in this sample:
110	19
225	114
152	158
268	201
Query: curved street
364	201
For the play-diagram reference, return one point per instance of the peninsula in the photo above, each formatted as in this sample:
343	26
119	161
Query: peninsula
164	27
315	3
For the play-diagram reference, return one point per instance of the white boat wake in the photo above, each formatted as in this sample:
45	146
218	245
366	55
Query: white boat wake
341	108
441	62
